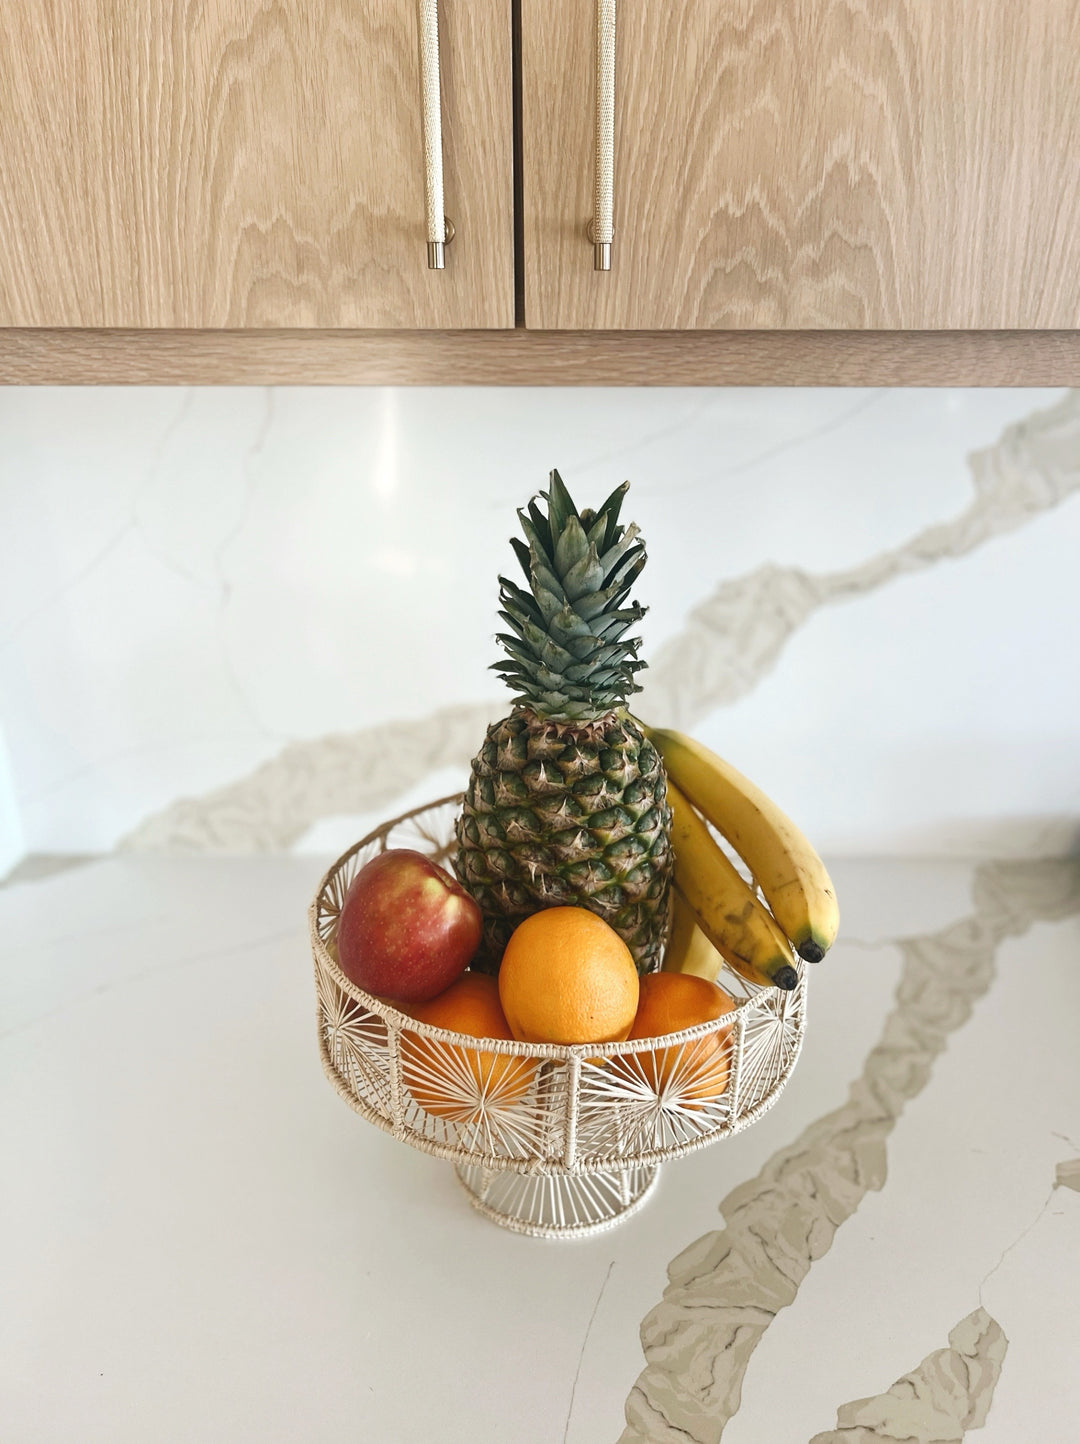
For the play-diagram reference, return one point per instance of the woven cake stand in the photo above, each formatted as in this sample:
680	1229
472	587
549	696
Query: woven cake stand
577	1147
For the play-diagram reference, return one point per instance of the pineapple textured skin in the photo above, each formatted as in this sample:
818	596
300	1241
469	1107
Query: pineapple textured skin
568	813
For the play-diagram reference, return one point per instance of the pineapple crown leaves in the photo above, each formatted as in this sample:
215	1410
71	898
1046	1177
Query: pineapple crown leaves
568	658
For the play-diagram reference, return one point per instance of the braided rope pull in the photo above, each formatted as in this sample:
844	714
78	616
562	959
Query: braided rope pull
439	230
602	230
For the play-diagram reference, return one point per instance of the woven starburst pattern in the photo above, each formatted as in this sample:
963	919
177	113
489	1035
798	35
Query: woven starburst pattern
355	1041
548	1139
486	1105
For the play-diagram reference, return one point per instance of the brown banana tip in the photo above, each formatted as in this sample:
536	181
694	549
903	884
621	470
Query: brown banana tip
812	952
786	978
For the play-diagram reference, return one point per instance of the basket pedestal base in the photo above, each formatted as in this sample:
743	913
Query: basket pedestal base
557	1205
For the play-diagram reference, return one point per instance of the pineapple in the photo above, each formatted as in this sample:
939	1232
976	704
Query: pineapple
566	803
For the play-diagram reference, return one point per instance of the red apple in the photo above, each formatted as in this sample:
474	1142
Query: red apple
407	928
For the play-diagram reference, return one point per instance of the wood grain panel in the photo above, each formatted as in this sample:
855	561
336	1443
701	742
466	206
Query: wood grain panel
809	163
540	358
240	163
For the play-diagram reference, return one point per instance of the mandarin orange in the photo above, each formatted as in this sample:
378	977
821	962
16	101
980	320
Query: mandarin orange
461	1083
692	1072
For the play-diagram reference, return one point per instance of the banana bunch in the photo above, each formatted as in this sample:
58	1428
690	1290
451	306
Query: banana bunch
716	916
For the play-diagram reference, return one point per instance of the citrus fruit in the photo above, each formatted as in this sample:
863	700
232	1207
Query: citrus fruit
690	1073
566	977
456	1082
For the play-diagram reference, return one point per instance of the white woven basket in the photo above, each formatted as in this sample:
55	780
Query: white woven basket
577	1147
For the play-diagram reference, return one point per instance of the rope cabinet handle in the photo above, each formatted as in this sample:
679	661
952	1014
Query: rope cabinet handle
602	230
440	231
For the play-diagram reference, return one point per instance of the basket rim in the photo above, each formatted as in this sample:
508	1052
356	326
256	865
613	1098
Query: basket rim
538	1164
733	1021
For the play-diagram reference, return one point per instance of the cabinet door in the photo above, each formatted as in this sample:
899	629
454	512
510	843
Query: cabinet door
234	163
808	164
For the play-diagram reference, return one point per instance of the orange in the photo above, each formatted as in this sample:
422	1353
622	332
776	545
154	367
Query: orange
693	1072
566	977
455	1082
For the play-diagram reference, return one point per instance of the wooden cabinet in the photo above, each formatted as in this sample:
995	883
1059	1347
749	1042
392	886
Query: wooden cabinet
233	163
896	165
807	191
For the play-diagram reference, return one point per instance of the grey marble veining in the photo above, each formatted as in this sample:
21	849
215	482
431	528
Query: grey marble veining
726	1288
354	772
728	644
1068	1174
937	1403
735	637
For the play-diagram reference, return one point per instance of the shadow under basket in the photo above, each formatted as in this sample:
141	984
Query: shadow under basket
553	1140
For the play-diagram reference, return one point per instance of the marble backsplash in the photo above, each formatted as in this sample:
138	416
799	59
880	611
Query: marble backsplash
256	619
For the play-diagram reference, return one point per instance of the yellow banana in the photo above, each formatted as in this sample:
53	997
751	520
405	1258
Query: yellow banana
786	868
727	912
688	949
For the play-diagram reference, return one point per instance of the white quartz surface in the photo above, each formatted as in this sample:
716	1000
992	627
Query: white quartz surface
210	597
200	1242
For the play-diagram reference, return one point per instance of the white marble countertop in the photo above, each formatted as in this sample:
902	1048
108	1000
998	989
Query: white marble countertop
200	1242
